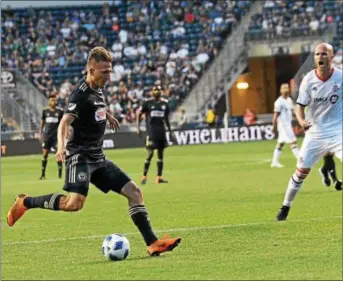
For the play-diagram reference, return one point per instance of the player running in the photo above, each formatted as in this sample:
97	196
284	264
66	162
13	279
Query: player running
51	118
85	160
156	113
321	92
282	122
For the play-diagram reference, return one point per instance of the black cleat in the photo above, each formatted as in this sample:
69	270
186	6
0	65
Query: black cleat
338	185
325	177
160	180
283	213
42	177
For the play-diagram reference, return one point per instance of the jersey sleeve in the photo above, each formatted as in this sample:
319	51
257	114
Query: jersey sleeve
74	104
43	115
145	108
304	94
277	106
167	110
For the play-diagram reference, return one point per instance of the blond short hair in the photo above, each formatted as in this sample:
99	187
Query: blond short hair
99	54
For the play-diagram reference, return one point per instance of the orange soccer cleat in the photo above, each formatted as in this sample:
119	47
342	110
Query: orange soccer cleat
17	210
144	179
163	245
159	179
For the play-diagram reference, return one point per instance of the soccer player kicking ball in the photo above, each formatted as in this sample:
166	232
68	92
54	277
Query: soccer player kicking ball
282	121
85	159
321	91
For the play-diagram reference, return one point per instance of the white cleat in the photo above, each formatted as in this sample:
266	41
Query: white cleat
276	165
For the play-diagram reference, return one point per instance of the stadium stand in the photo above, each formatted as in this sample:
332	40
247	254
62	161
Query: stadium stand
153	42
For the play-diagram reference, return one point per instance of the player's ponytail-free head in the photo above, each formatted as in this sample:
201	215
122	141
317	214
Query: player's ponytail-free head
99	54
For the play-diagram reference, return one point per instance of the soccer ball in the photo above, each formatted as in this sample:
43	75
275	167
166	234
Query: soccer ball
116	247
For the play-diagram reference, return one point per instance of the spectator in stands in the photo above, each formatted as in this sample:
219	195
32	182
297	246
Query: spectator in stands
211	116
249	117
183	119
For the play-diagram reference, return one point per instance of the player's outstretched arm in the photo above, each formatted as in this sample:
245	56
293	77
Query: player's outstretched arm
114	123
62	136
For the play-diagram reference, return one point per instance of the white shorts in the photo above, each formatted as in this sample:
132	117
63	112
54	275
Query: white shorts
313	149
286	135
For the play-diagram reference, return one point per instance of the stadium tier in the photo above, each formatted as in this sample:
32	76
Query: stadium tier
152	42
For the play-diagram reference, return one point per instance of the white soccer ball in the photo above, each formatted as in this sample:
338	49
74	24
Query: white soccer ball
116	247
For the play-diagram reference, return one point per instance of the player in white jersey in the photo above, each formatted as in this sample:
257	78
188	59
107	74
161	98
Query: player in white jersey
321	92
282	122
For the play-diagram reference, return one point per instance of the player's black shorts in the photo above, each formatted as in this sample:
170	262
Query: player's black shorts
156	143
49	142
105	175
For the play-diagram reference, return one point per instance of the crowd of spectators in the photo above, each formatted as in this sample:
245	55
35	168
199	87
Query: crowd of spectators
8	125
284	19
152	42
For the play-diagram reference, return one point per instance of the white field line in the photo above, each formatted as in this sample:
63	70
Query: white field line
183	229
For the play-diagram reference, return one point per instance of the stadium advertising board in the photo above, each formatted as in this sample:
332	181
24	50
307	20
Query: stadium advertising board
182	137
223	135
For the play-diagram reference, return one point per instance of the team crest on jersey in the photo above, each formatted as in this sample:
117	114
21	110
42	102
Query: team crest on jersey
71	106
82	176
100	114
163	107
335	88
314	89
334	99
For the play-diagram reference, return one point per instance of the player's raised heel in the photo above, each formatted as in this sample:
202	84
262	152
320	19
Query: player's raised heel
338	185
163	245
325	177
17	210
283	213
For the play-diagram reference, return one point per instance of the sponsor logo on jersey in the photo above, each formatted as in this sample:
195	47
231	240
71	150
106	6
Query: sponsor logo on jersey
100	114
71	106
320	99
157	113
334	99
51	120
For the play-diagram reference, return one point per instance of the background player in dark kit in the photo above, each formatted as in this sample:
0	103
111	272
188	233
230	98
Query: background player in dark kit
156	113
51	117
85	159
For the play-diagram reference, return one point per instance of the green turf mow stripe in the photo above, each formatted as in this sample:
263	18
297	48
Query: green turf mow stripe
173	230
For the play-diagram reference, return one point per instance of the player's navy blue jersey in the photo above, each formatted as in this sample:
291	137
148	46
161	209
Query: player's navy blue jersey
89	108
156	113
51	119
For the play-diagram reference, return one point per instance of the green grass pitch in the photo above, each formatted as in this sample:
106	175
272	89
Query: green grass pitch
222	200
